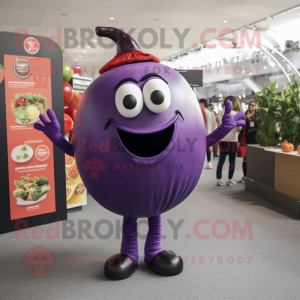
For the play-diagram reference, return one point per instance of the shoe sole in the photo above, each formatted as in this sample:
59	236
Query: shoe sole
117	278
164	274
122	278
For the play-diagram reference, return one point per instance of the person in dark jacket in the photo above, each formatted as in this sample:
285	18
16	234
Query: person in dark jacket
252	120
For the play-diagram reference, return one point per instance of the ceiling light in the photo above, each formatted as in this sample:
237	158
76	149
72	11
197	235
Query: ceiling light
79	55
254	27
95	40
84	51
76	59
111	18
89	47
265	67
225	21
250	73
220	95
243	72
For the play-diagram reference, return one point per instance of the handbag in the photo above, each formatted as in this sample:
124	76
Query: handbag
242	148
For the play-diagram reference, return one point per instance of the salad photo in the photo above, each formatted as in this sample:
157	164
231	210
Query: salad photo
30	190
28	107
22	153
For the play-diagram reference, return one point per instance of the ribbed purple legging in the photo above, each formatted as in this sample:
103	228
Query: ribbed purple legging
153	245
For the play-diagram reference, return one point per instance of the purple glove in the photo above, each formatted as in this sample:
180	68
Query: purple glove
52	131
229	122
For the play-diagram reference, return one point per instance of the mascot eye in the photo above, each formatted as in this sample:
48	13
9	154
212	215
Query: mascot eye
129	100
157	95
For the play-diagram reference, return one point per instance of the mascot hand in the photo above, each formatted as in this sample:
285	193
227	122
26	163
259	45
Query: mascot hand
50	129
229	121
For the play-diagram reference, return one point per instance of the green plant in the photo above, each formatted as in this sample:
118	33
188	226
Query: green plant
289	113
268	106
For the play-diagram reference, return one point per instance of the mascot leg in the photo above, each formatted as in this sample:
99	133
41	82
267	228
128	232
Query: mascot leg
124	264
161	262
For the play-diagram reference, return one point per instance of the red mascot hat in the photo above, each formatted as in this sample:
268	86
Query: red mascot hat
128	50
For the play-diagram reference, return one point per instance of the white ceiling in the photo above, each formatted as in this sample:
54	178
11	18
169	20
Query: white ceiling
197	15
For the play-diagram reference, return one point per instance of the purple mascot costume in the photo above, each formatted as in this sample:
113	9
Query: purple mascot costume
139	143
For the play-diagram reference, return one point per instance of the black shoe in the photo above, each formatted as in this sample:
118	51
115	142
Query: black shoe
119	266
166	263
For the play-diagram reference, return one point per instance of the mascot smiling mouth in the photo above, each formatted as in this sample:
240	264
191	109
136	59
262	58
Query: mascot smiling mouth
147	145
150	142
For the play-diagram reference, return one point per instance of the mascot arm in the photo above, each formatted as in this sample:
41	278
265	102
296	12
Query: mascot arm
229	122
52	131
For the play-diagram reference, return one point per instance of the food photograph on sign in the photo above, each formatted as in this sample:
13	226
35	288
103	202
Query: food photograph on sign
30	190
22	153
27	108
75	190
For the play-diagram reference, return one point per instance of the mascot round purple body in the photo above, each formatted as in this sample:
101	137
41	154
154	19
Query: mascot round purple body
139	144
150	162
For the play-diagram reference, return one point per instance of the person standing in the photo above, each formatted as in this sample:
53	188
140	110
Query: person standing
215	146
252	120
209	127
211	107
203	114
228	145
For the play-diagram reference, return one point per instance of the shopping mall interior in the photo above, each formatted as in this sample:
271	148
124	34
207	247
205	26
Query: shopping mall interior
151	149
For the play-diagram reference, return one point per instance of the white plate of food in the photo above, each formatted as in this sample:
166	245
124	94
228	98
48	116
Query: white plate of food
31	190
31	122
22	153
28	107
21	201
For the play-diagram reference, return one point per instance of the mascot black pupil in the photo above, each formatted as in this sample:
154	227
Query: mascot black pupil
157	97
129	102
